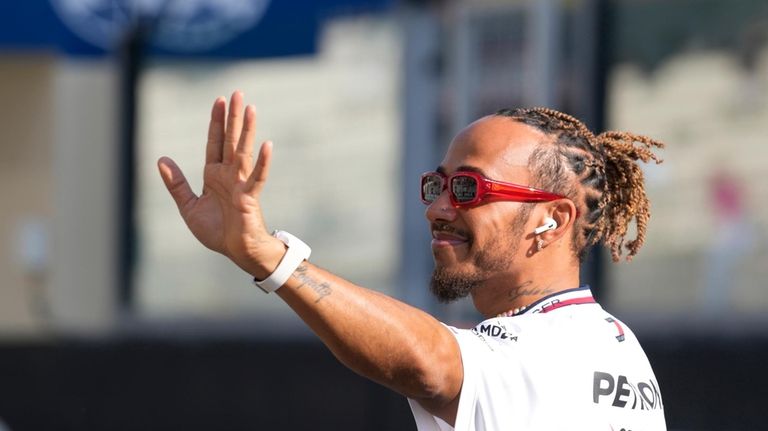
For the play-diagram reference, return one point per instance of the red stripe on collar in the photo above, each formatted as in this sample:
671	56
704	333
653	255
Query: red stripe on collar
576	301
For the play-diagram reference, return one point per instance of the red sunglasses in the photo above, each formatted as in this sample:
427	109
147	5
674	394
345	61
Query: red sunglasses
470	188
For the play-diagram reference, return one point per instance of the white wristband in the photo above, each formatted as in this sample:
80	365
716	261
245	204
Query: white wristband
297	252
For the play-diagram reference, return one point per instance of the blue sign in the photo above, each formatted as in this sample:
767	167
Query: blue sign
173	28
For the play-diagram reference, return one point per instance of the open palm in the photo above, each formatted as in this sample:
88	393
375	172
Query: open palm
226	217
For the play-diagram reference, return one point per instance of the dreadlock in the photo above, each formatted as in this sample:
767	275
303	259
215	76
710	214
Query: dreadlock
609	190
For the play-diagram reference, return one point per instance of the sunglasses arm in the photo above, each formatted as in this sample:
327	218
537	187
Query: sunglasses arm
525	194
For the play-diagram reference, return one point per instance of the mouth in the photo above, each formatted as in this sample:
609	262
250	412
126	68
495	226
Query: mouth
444	235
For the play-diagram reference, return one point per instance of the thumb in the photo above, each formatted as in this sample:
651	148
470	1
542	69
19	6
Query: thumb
176	183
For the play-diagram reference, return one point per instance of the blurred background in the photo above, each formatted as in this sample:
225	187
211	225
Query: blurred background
112	317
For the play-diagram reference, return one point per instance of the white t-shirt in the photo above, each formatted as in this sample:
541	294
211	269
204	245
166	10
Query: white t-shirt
562	364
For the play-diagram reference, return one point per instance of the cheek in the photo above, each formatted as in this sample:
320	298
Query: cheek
498	229
486	225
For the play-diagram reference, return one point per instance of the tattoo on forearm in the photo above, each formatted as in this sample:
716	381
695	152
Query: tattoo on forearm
322	289
526	289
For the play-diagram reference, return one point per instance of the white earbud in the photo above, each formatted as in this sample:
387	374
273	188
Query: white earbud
549	224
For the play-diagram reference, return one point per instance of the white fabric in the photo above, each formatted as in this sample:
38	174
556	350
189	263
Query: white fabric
553	368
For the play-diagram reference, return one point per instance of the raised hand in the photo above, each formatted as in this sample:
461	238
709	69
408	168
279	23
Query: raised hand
376	336
227	217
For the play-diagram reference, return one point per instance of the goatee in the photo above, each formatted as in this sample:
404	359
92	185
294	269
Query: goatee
449	286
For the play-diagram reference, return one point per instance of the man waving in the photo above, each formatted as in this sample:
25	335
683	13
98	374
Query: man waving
513	207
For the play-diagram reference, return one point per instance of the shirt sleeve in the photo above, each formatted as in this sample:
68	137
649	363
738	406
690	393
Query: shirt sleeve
425	421
497	391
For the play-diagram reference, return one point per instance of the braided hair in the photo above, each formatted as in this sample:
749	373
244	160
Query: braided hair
600	173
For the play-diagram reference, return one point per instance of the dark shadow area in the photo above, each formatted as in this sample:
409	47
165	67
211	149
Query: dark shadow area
708	383
155	384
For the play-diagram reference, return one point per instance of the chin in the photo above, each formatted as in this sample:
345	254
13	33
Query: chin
450	283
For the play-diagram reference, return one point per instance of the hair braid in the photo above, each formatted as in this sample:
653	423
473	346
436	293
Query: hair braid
609	186
625	198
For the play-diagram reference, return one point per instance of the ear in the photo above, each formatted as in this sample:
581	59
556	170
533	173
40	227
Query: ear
564	212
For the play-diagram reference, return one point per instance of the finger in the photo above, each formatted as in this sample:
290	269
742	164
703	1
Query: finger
247	136
258	177
234	125
216	131
176	183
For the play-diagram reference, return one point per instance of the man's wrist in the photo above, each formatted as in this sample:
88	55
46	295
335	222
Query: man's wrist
297	252
266	264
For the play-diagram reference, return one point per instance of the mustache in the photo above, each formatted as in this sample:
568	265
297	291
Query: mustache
445	227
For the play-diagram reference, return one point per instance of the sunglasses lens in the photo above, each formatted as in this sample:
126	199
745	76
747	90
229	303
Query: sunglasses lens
431	187
464	188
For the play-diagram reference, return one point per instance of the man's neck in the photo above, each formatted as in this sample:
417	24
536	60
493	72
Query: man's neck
507	291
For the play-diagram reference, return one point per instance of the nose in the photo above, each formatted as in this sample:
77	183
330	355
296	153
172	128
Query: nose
441	209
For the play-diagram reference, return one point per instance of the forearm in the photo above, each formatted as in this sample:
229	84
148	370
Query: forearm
377	336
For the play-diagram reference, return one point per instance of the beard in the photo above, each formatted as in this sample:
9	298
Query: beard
449	285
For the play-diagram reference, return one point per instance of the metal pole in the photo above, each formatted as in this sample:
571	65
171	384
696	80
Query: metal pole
131	62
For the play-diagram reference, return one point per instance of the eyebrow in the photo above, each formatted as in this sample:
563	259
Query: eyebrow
463	168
